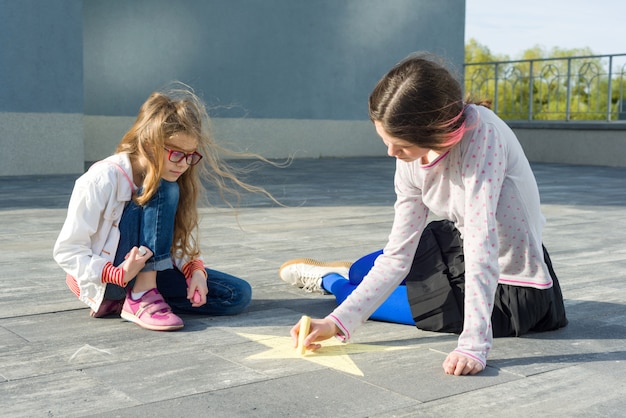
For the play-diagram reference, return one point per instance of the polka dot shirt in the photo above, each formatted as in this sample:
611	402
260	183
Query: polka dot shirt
485	185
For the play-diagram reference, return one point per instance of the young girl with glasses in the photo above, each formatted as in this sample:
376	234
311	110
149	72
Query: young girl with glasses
465	252
129	243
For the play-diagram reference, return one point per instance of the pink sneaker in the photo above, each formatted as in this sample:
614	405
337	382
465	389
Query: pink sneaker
108	307
151	312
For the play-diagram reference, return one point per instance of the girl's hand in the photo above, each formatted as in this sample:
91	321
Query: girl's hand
197	289
458	364
320	330
134	262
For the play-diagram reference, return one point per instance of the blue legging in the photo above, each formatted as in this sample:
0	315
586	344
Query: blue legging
394	309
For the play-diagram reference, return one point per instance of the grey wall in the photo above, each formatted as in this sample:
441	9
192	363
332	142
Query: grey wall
41	86
281	77
314	59
41	56
580	143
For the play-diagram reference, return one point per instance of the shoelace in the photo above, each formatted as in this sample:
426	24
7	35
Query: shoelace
311	282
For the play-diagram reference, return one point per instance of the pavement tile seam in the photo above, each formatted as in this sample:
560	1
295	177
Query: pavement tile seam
576	371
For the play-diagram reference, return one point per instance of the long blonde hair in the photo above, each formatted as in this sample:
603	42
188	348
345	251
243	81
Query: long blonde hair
163	114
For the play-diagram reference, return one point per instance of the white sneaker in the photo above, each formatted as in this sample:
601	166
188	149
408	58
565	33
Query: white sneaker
307	273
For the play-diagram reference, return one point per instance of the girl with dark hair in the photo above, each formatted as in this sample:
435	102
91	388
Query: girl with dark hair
465	253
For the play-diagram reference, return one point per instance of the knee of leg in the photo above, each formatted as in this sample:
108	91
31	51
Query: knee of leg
246	293
168	192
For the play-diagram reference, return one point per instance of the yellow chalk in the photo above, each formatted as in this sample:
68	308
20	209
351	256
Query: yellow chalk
305	325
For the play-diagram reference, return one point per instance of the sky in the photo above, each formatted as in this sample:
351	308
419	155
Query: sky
509	27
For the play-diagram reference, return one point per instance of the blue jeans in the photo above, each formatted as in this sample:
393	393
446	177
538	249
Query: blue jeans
153	227
228	295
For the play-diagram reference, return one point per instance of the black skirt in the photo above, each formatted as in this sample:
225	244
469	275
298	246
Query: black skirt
436	290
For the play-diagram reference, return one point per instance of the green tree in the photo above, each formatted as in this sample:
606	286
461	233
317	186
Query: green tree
475	52
554	77
480	79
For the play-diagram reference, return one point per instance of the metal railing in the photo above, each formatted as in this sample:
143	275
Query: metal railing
562	89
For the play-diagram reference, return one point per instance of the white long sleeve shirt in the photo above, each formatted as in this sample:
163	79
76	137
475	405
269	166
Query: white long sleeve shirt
90	236
485	185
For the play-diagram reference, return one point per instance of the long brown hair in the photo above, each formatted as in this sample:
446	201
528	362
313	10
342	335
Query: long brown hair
421	102
163	114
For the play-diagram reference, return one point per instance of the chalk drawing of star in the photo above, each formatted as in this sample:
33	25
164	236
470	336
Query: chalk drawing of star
333	353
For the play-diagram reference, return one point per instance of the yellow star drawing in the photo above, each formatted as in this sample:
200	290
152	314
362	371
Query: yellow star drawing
333	353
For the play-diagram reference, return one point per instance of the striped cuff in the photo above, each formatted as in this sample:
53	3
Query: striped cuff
113	275
192	266
73	285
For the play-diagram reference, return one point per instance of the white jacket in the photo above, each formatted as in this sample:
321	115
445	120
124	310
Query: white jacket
90	234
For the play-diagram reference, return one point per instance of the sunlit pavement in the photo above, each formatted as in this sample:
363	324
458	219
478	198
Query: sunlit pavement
57	361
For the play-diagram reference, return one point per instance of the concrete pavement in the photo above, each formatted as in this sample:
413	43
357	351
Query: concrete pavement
57	361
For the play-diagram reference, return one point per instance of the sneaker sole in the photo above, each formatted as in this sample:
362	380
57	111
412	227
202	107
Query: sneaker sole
310	261
132	318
